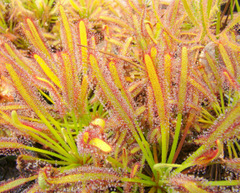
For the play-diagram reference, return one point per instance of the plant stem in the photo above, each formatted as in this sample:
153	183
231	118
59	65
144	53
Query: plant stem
176	137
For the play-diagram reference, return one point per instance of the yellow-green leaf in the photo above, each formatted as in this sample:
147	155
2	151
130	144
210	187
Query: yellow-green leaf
68	75
117	21
26	94
125	47
167	69
83	41
157	89
226	59
35	38
16	58
108	92
150	32
117	81
15	183
83	92
47	70
183	80
68	33
191	16
160	103
201	88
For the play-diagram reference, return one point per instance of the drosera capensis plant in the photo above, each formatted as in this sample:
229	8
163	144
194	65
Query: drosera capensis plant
118	115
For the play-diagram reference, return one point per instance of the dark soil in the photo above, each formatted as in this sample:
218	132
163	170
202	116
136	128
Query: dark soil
8	168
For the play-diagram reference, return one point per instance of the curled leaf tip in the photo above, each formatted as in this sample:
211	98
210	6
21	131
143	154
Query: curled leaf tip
101	145
85	137
99	122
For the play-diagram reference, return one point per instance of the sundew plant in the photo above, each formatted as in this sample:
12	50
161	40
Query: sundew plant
141	96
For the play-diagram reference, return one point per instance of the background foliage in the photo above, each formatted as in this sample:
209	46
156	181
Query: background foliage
112	96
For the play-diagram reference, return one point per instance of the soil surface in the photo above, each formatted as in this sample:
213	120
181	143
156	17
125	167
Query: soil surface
8	168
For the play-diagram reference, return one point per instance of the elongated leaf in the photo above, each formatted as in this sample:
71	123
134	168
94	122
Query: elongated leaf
115	75
233	82
35	38
84	93
150	32
189	184
68	76
174	15
12	107
38	135
10	147
68	33
119	143
232	44
150	106
26	92
12	53
205	20
8	186
81	175
191	16
183	80
70	45
226	59
117	21
167	69
193	188
154	53
158	91
126	46
213	68
126	113
83	41
114	41
83	178
133	6
50	74
56	96
201	88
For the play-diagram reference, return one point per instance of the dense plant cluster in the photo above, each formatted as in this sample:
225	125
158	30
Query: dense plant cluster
132	96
